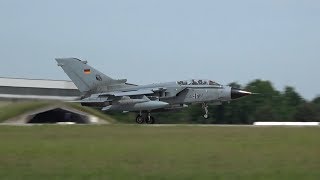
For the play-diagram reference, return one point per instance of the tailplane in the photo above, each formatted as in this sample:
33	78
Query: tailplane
85	77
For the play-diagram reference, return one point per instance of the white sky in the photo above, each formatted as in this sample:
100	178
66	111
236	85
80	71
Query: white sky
150	41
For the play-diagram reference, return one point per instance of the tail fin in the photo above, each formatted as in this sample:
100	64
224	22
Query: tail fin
85	77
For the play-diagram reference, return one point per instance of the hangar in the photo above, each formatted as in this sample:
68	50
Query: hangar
18	88
54	112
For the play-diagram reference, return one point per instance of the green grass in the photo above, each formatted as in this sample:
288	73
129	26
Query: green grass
147	152
4	103
10	110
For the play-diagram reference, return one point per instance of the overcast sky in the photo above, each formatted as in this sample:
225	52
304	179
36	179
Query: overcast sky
150	41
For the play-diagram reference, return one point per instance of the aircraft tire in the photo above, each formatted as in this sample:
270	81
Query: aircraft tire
140	119
150	121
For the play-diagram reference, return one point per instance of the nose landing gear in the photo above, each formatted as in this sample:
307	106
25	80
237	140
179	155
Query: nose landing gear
205	107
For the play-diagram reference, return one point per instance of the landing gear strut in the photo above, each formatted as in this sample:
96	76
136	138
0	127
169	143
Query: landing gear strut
145	118
205	107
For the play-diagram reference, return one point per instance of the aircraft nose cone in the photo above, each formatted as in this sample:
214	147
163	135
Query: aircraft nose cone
238	93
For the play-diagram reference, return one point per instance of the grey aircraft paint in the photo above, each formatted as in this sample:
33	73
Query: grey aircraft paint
109	94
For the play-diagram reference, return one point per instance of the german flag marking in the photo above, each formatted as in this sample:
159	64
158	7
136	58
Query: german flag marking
87	71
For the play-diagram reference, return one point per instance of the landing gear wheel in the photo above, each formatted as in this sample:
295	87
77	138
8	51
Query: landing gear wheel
139	119
150	120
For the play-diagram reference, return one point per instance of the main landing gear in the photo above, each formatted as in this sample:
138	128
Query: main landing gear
145	118
205	108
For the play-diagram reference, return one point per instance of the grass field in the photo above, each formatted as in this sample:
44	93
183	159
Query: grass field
147	152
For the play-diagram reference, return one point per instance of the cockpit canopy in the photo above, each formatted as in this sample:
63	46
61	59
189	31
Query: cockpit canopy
198	82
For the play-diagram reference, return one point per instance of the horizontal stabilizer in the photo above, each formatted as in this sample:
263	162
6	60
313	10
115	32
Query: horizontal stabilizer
120	81
106	108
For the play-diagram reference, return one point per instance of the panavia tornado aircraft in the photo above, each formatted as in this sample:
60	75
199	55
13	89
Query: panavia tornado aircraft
110	94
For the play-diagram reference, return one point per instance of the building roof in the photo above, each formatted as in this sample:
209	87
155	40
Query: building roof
37	83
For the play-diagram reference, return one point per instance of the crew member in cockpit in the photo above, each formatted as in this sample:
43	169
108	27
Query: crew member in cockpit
194	82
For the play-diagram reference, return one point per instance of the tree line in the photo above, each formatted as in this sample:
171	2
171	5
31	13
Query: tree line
269	105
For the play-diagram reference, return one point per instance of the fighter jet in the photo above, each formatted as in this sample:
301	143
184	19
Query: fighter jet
109	94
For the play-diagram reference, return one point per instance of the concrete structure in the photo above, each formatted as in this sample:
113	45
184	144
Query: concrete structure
18	88
286	123
55	114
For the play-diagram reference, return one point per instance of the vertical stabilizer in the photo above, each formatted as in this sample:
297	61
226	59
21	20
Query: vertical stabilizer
85	77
